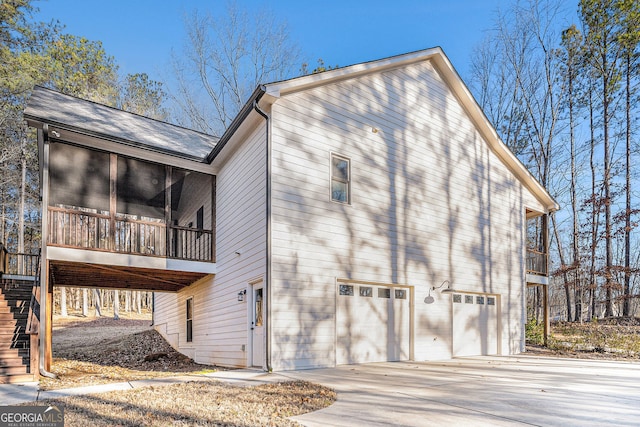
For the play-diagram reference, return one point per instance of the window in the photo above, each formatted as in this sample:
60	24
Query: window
384	293
366	291
258	307
346	290
340	179
491	301
468	299
189	319
457	298
400	293
479	300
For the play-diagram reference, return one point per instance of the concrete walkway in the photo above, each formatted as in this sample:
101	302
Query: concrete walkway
12	394
482	391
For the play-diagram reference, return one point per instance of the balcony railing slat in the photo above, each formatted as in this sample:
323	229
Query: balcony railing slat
88	230
536	262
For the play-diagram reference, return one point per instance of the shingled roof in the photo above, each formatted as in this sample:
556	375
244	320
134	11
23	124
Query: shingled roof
79	115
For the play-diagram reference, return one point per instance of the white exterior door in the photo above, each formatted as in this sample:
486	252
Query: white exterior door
475	325
257	326
372	323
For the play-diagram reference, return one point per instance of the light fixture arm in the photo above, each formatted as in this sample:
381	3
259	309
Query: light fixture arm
447	290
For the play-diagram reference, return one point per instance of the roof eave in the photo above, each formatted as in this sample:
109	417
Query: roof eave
236	123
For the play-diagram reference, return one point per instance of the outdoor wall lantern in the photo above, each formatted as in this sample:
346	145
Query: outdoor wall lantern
241	295
430	300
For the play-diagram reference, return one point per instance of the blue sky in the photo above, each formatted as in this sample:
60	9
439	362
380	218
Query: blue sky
141	33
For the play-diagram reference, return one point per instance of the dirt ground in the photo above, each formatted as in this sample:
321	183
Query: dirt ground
89	350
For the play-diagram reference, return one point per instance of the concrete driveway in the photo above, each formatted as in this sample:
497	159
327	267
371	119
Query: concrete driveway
481	391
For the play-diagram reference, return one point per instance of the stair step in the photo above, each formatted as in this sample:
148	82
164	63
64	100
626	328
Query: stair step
13	370
12	361
18	378
14	352
5	317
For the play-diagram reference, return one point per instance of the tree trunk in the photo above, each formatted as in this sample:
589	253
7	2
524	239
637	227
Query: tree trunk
626	305
63	302
116	304
565	276
138	302
23	183
85	302
97	302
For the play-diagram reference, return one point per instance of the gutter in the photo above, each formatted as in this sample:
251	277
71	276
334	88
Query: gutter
267	281
237	121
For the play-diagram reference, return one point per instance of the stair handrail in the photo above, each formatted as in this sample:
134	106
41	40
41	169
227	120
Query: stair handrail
34	305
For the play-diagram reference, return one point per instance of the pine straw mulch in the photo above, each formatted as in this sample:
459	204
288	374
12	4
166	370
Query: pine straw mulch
197	403
103	350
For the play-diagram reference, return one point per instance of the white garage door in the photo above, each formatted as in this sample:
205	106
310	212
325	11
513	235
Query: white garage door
475	325
372	323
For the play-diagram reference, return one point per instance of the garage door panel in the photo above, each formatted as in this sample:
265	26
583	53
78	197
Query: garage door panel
371	324
475	325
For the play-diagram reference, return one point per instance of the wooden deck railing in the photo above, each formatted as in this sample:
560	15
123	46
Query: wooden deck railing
536	262
23	264
88	230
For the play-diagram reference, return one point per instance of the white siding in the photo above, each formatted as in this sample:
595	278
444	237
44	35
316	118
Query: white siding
430	202
220	320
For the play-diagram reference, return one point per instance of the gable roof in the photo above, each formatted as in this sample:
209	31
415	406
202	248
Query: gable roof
270	92
90	118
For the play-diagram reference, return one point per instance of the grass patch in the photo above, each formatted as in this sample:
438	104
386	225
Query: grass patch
197	403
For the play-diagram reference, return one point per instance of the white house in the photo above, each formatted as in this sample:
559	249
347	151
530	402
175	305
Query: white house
368	213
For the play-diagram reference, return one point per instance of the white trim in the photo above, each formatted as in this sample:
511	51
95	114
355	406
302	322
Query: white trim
56	253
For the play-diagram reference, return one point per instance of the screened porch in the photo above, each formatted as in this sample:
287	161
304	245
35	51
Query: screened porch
108	202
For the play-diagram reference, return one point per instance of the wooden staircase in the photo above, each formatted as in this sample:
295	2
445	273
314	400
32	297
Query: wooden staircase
17	362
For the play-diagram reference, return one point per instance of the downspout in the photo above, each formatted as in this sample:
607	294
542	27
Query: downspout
44	265
267	281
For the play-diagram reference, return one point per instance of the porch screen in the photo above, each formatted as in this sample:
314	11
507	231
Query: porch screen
78	178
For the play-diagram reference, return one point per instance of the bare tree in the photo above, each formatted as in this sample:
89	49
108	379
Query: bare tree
223	62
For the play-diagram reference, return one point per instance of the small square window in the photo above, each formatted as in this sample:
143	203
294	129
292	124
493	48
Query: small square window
400	293
346	290
366	291
480	300
340	179
491	301
468	299
384	293
457	298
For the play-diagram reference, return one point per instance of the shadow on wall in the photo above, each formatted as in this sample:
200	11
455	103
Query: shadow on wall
429	202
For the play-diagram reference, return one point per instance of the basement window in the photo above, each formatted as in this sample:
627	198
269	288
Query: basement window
190	319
